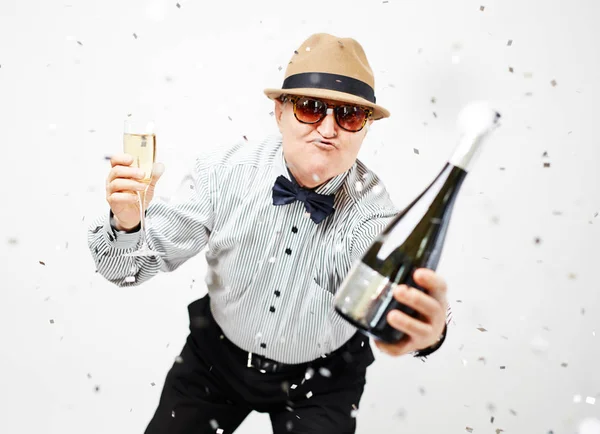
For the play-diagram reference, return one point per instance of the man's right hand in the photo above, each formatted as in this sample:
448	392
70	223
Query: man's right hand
122	185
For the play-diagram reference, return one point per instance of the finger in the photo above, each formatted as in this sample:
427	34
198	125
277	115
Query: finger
125	185
423	303
125	172
402	347
431	281
405	323
121	159
157	170
121	198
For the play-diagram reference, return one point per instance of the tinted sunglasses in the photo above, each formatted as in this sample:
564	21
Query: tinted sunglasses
311	111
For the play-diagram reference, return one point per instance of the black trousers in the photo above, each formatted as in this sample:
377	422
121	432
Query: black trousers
210	388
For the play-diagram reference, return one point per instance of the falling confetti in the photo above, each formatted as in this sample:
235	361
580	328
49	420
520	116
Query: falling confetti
214	424
590	400
469	429
310	372
481	8
553	83
481	329
97	389
42	262
153	384
309	394
325	372
245	138
51	321
293	386
178	5
564	365
510	69
135	36
509	42
514	413
527	74
173	413
80	43
546	164
130	279
416	151
433	100
178	359
435	114
358	186
502	367
537	240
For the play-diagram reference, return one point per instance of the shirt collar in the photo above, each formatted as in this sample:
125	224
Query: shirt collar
330	187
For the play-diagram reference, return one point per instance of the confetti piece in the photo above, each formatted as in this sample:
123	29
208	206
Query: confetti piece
510	69
153	384
245	138
545	154
12	241
527	74
293	386
577	398
219	431
529	94
315	177
358	186
135	36
307	48
481	8
509	42
79	42
178	5
309	394
514	413
553	83
89	375
130	279
481	329
178	359
51	321
564	365
97	388
41	262
416	151
502	367
435	114
590	400
537	240
295	51
377	189
433	100
325	372
173	413
469	429
279	68
214	424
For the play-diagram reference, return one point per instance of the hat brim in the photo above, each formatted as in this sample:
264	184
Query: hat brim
378	111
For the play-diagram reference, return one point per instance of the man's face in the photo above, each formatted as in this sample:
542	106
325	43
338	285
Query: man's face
317	152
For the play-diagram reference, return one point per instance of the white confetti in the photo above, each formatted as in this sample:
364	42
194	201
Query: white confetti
464	362
358	186
178	359
173	413
325	372
309	394
354	413
577	398
272	259
214	424
316	177
307	48
590	400
130	279
589	426
377	189
219	431
293	386
309	373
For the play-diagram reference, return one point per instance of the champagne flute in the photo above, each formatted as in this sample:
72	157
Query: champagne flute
139	141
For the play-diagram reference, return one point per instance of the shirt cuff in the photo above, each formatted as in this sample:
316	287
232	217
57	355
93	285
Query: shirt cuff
120	239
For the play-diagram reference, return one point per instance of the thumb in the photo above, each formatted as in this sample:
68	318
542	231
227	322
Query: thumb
157	170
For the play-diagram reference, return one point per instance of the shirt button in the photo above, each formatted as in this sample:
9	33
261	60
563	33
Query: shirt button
272	309
263	345
277	293
288	251
294	229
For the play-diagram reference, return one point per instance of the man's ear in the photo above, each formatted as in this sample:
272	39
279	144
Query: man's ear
278	112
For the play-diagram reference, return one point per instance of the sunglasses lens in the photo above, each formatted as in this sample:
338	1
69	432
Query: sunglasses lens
351	118
310	110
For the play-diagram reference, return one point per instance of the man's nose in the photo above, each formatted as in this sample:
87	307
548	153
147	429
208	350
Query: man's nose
327	124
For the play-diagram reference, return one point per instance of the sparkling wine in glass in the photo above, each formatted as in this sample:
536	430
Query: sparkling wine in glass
139	141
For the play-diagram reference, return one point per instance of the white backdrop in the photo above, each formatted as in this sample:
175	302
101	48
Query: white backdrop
79	355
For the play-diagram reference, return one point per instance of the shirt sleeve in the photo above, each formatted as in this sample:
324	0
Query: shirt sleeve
179	227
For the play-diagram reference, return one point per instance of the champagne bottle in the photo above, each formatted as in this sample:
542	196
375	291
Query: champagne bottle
413	239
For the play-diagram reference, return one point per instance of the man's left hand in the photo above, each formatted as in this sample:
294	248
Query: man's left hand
420	333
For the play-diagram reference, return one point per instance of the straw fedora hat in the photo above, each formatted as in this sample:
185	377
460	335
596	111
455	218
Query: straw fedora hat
329	67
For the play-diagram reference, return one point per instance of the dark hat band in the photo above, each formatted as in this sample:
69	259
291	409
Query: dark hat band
325	80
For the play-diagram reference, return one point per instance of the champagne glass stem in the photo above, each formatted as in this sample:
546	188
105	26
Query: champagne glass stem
142	199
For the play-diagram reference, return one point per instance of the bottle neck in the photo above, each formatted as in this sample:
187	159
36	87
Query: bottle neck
467	151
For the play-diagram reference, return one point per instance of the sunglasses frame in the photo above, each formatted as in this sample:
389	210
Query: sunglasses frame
295	98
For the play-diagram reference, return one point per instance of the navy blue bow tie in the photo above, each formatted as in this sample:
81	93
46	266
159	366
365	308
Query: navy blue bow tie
318	205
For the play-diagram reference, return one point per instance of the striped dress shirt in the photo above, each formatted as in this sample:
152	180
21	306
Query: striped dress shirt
272	273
